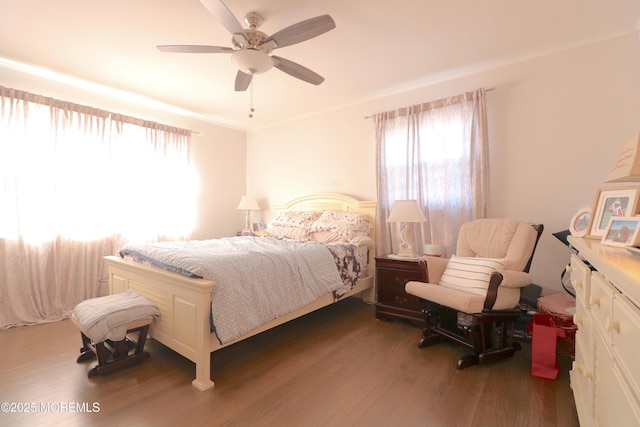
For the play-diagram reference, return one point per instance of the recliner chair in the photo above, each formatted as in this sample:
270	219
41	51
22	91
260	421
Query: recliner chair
473	297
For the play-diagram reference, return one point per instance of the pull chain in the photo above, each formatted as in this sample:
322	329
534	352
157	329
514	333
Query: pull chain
251	109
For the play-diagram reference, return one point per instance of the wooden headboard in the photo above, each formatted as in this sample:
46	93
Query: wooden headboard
334	201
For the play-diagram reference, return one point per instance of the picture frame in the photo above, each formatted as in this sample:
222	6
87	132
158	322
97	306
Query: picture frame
579	224
622	231
257	226
610	202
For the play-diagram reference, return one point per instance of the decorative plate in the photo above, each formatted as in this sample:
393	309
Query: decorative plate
580	222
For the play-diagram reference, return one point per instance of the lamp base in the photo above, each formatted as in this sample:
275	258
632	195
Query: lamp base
246	232
407	250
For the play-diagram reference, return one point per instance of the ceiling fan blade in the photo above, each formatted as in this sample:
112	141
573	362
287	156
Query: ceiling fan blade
303	30
243	80
297	70
222	13
190	48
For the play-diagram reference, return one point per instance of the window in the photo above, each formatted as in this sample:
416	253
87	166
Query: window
436	153
85	175
75	184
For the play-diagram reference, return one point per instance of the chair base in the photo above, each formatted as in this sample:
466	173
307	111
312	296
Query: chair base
114	355
489	334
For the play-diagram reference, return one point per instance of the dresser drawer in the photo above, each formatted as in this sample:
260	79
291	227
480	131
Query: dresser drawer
601	302
580	278
625	334
615	404
581	378
582	319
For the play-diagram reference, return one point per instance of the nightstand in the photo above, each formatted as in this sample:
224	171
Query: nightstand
393	302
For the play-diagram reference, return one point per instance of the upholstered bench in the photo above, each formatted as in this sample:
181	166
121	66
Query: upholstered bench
106	322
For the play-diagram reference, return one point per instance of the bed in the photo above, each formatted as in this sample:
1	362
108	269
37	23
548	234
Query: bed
185	302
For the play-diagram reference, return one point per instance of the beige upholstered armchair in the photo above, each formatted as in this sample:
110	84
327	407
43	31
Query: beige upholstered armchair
473	297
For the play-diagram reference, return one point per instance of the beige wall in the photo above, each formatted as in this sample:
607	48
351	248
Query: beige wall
218	153
557	122
219	156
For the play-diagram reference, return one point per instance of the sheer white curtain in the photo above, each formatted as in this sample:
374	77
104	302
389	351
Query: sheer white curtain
436	153
75	184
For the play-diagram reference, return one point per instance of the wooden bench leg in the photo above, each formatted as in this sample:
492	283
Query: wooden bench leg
115	355
86	351
142	339
116	365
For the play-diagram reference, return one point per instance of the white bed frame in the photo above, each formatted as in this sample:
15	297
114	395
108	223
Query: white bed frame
185	303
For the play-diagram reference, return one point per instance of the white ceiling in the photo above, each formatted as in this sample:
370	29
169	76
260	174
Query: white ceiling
376	48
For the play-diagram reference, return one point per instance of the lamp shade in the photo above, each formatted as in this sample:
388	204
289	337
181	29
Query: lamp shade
248	203
406	211
627	166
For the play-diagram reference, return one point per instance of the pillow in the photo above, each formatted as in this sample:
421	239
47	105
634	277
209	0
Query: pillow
327	237
364	241
299	219
347	226
293	224
295	233
331	237
470	275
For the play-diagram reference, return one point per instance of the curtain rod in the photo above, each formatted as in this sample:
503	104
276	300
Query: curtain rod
489	89
58	103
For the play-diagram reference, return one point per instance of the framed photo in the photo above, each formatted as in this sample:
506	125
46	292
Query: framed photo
610	202
257	226
580	222
622	231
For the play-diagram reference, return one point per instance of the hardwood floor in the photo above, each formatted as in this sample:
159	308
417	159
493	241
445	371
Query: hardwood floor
335	367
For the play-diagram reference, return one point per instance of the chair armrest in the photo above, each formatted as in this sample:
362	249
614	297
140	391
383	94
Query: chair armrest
435	266
504	279
515	279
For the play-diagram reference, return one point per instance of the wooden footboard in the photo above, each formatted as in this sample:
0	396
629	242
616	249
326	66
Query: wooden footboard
184	304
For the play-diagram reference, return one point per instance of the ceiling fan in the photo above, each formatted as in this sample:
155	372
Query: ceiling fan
251	51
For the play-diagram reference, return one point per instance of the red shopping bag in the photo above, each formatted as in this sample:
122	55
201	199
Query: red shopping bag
544	361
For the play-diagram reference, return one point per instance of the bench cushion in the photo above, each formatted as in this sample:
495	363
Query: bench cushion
108	317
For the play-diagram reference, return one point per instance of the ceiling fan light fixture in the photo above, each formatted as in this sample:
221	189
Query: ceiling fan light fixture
251	51
252	61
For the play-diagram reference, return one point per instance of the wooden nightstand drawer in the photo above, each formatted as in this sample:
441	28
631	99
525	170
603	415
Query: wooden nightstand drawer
396	279
393	301
399	299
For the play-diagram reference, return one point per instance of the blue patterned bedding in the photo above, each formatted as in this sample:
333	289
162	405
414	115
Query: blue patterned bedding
258	279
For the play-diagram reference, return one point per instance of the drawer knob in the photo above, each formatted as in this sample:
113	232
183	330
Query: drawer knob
568	268
612	325
580	368
578	283
577	367
594	301
401	300
577	319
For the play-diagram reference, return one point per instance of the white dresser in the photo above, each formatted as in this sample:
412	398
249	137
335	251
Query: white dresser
605	376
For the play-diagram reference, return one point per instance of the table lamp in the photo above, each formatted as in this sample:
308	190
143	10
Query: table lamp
248	203
406	211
